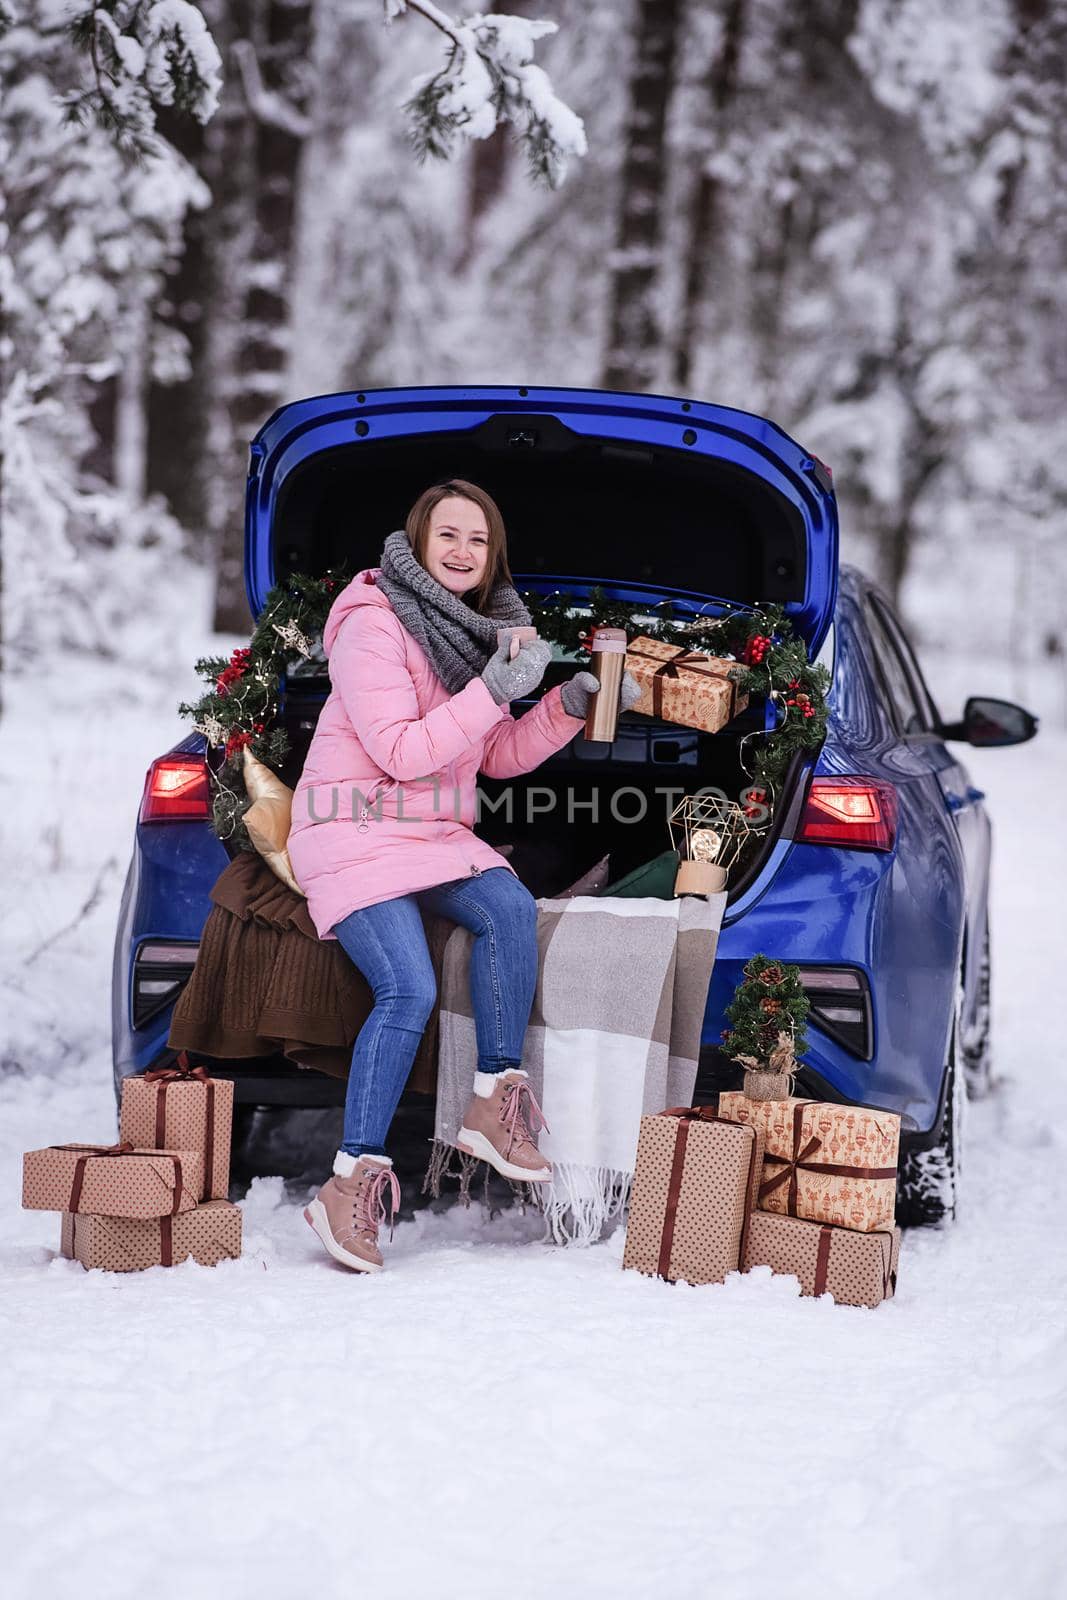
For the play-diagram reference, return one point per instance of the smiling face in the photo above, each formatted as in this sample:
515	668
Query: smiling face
457	533
457	544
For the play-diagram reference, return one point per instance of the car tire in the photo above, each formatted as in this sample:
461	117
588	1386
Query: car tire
928	1181
976	1042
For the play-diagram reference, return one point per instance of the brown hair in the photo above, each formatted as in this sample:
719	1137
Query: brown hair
417	528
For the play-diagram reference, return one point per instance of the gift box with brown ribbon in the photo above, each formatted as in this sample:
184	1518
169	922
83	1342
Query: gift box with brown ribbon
824	1162
116	1180
182	1108
694	1187
858	1269
685	686
210	1233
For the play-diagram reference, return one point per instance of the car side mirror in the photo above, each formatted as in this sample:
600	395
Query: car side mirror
987	723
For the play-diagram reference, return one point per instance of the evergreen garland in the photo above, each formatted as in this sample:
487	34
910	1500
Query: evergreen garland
761	638
241	706
768	1002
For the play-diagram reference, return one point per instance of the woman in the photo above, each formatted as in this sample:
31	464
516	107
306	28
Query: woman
421	676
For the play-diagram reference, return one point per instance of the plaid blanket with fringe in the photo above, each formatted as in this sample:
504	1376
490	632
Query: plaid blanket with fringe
614	1033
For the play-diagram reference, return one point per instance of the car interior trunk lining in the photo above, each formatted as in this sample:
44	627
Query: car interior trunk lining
590	510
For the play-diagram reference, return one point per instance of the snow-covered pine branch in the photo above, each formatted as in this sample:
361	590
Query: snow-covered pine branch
87	240
142	57
489	76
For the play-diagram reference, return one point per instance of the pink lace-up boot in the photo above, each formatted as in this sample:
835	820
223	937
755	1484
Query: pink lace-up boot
500	1125
349	1208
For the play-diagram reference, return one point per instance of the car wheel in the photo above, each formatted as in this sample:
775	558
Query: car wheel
976	1045
928	1182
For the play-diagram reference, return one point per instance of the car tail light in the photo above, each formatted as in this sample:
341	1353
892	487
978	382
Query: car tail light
161	969
841	1006
176	790
859	813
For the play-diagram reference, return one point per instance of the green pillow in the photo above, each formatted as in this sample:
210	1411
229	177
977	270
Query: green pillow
655	878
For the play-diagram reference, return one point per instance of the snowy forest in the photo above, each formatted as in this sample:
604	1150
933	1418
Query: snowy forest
848	215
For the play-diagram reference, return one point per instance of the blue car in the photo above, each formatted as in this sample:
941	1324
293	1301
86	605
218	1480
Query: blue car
874	875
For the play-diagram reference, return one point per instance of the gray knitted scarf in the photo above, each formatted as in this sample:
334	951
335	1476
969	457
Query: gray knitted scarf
458	640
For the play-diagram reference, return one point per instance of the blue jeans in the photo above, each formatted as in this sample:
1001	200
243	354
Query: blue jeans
388	944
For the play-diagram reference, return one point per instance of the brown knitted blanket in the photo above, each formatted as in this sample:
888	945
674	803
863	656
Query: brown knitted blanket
264	982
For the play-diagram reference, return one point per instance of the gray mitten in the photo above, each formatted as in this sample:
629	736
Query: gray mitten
510	680
579	690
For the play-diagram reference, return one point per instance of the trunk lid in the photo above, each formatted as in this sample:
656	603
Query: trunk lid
648	496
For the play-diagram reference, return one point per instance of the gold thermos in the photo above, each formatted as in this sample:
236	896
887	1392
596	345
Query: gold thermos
607	661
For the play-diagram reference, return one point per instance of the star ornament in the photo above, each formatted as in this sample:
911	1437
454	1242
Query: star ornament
291	636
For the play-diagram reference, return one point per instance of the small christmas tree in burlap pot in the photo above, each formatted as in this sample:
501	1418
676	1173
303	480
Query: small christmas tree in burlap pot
767	1013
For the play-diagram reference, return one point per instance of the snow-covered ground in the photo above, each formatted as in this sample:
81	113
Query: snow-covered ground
492	1415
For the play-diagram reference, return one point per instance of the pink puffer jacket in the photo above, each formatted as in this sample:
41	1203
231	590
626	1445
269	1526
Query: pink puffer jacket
386	800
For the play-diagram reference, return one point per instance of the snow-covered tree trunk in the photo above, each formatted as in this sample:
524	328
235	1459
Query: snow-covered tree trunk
94	196
487	169
6	351
487	166
130	471
263	127
703	256
179	392
634	348
229	169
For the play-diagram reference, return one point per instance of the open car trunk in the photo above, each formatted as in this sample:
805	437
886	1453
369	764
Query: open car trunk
635	516
593	800
654	500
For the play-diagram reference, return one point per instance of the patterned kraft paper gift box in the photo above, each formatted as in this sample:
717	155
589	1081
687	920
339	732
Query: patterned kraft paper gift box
115	1180
181	1108
685	686
210	1233
858	1269
694	1187
824	1162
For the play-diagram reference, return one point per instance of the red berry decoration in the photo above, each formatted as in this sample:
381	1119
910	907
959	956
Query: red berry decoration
234	672
757	799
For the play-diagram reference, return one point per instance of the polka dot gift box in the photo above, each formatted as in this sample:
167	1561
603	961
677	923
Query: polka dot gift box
181	1108
857	1269
116	1180
209	1234
693	1191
